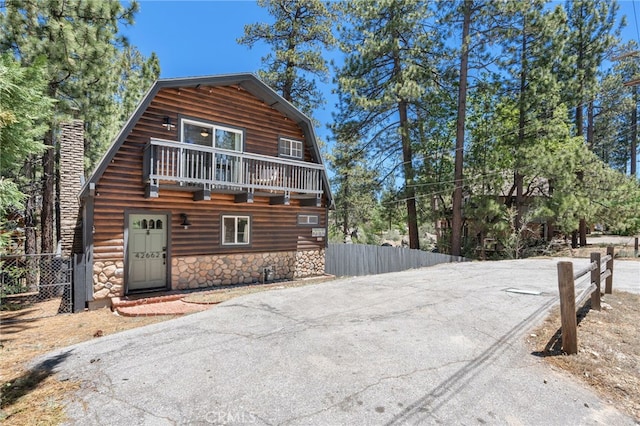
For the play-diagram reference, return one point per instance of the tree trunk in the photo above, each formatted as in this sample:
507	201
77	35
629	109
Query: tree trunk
634	133
550	221
458	177
583	232
590	126
30	237
522	113
590	143
407	160
48	195
582	224
519	179
410	192
579	132
345	211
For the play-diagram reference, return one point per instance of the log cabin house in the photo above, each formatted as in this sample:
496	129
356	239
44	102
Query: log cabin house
212	181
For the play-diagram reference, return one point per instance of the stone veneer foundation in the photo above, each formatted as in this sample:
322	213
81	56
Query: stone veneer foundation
108	279
243	268
214	270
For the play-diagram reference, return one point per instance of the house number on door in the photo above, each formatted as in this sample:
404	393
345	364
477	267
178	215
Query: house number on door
148	255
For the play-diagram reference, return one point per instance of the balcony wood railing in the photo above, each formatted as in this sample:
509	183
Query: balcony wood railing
211	168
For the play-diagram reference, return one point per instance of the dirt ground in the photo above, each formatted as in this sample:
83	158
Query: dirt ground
608	361
608	358
37	398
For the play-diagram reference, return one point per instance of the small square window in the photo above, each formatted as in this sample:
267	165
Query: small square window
235	230
308	219
291	148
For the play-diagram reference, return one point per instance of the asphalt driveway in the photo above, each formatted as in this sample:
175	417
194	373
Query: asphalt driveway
441	345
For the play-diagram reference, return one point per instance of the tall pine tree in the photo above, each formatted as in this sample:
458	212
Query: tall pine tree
387	74
476	21
592	32
25	111
535	46
302	29
80	39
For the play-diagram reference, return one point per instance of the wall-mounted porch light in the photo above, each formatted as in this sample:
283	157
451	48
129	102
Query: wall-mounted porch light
167	124
185	221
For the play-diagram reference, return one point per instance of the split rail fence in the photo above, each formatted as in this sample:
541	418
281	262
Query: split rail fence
568	282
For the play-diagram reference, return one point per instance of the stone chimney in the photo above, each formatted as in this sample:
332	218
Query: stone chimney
71	179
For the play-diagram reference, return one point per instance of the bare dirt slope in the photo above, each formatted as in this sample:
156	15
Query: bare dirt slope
608	356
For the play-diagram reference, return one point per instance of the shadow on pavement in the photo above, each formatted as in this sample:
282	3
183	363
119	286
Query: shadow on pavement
428	405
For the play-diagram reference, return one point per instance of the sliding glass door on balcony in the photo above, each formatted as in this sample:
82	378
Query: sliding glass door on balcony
221	166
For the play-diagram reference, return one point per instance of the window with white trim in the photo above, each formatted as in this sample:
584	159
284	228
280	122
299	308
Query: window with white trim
308	219
235	230
214	135
291	148
200	164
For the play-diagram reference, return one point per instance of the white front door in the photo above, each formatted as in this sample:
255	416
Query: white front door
147	251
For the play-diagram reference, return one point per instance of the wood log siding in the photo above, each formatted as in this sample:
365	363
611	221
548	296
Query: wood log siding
273	227
232	107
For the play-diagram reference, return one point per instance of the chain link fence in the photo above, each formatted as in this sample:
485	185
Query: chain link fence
35	285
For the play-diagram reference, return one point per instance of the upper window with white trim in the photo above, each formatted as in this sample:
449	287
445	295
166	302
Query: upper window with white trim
291	148
214	135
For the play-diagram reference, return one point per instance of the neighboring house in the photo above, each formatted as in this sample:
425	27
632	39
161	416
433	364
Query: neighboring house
212	181
473	228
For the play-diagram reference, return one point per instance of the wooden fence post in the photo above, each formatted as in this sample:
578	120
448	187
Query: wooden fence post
609	283
568	307
595	278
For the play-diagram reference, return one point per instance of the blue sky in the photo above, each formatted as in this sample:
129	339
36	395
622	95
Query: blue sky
194	38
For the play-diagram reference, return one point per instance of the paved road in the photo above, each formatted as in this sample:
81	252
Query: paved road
441	345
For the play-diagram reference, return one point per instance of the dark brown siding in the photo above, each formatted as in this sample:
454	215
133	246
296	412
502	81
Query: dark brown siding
273	228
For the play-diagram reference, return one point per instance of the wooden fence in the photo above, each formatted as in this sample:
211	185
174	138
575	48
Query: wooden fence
567	284
360	259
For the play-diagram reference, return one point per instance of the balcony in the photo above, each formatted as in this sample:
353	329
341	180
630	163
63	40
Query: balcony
204	169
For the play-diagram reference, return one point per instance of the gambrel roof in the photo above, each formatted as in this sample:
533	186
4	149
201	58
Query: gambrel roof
248	82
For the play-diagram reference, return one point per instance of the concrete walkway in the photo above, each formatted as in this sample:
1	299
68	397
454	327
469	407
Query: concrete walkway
441	345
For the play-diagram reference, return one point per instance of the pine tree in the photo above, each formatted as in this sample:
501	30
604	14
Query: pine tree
616	124
593	31
478	24
354	181
24	113
302	29
387	75
536	48
456	223
80	39
487	161
105	111
613	119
